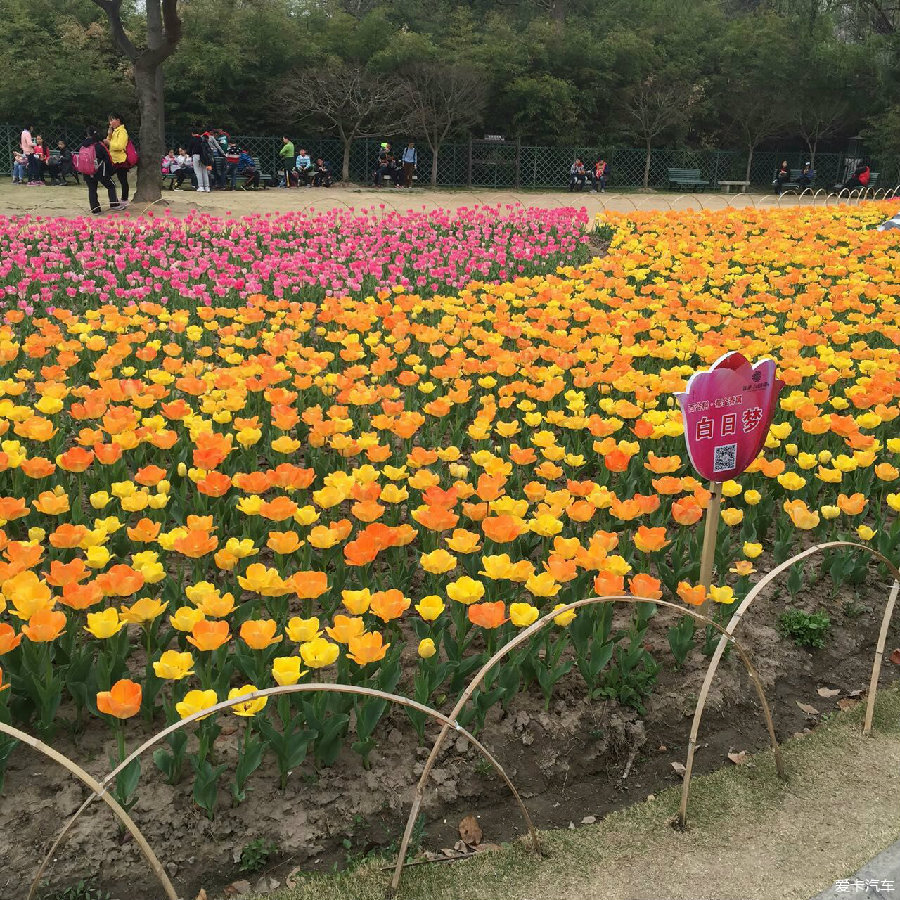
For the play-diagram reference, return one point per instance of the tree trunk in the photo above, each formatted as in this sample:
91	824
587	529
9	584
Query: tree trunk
749	164
345	165
434	165
647	167
148	83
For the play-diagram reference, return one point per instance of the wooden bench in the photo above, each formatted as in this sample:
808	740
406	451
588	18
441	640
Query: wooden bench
873	181
687	178
740	185
793	183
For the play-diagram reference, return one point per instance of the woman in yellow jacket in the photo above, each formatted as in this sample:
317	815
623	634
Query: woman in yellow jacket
117	140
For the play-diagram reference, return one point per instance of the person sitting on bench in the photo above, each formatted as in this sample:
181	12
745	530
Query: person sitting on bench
185	169
246	168
782	177
60	164
599	174
577	176
322	178
304	168
859	178
806	176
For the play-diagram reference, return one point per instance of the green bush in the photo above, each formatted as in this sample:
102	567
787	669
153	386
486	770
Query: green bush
804	629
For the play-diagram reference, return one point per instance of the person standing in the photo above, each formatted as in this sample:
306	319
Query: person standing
117	141
41	157
102	172
199	153
27	144
286	159
410	161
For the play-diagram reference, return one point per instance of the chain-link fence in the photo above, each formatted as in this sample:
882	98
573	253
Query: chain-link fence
510	164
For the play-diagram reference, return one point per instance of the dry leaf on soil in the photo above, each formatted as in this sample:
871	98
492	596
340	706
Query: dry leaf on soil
470	831
202	894
738	758
809	710
828	693
679	768
895	657
846	703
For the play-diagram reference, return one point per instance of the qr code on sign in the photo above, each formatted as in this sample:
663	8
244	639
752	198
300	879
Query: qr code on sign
725	458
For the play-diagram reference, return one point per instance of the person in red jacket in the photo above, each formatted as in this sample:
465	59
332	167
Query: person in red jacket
860	177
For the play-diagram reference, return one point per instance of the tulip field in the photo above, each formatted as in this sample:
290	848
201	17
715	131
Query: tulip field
371	448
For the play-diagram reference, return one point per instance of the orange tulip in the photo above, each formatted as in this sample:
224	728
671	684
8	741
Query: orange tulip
502	529
278	509
209	635
61	573
76	459
9	640
196	543
283	542
120	581
687	511
12	508
45	625
122	700
216	484
367	648
852	505
645	586
693	596
649	540
435	518
150	476
81	596
487	615
608	584
259	633
309	585
616	461
388	605
144	532
67	536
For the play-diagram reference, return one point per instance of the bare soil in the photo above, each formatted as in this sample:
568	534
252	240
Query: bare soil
568	761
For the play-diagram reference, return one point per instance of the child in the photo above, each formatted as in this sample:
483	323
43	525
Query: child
20	167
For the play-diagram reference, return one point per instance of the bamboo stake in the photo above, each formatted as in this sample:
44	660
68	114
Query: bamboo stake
520	638
99	791
708	555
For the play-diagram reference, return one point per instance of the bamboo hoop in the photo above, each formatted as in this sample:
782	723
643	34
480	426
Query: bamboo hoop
692	197
99	791
735	621
879	656
523	636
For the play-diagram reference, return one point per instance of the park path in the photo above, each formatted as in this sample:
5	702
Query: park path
72	200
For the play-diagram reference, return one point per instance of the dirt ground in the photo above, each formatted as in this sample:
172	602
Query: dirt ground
72	200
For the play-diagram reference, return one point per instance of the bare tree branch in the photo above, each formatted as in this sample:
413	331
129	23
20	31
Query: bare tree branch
442	99
352	101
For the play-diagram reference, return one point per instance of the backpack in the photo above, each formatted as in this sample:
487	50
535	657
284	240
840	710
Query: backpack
206	157
85	160
131	155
